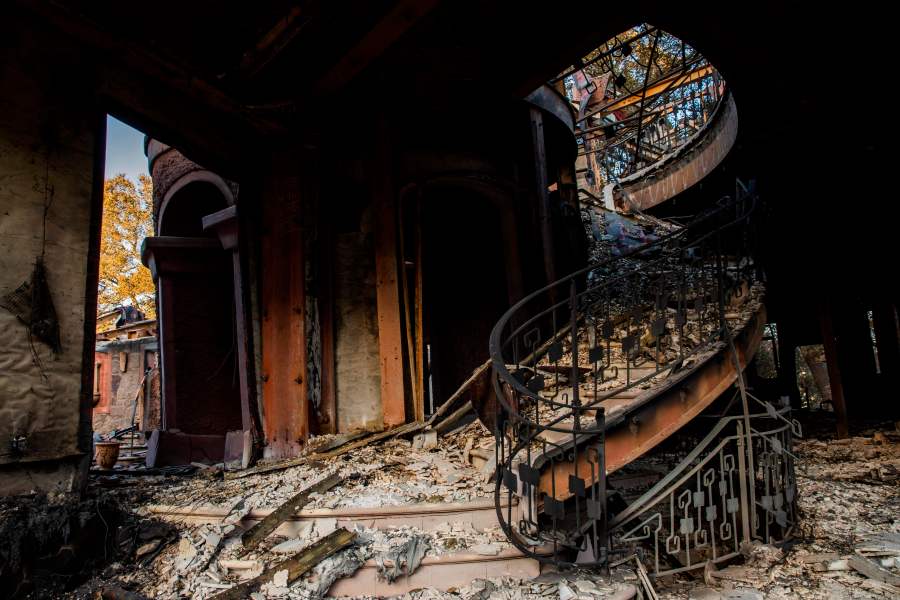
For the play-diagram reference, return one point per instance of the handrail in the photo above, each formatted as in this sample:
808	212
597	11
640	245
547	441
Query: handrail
496	344
720	492
612	326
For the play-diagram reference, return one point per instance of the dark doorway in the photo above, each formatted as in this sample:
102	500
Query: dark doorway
200	379
464	283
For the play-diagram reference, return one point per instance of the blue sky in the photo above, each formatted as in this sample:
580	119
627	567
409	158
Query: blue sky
124	150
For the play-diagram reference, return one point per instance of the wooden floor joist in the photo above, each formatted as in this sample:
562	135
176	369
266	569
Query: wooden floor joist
253	536
296	566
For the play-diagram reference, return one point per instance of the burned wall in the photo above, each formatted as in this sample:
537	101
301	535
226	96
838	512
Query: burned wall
357	369
48	207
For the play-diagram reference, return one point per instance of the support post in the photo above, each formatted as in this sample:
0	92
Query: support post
387	291
543	195
285	405
328	412
834	371
887	341
419	383
787	364
226	225
743	481
887	336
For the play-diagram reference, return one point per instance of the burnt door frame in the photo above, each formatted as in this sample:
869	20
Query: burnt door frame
226	225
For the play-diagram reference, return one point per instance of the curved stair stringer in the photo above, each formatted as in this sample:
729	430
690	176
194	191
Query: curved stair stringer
645	421
682	168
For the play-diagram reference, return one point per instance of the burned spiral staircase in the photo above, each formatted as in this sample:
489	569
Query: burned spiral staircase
597	369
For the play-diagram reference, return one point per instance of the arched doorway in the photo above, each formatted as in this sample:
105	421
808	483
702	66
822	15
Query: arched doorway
199	339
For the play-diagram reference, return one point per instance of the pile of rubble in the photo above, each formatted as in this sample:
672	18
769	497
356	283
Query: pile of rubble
847	546
206	558
562	586
393	473
209	559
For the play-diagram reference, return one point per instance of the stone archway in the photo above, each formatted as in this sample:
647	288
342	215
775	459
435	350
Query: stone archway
195	262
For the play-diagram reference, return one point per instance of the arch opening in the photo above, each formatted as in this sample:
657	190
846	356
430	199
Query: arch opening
202	383
645	99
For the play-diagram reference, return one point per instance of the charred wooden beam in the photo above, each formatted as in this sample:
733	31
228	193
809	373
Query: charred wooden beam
403	16
352	445
284	388
387	291
834	370
159	95
296	566
274	41
256	534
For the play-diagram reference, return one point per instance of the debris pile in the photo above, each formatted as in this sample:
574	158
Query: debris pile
209	559
569	586
390	474
847	544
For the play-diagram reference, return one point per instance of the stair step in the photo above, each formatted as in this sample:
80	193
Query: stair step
441	573
588	392
426	516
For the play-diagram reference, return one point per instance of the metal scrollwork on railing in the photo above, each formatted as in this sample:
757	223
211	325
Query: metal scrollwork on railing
565	354
715	481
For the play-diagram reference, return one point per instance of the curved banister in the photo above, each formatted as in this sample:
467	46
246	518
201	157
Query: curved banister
566	354
496	344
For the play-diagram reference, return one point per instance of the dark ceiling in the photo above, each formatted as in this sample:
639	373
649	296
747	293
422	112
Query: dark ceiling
806	80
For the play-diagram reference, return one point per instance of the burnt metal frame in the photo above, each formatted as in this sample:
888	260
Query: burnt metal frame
689	273
620	146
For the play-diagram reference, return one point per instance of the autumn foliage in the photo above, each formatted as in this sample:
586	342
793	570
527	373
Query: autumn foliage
127	220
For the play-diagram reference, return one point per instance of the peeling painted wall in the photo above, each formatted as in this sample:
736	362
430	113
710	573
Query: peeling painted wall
357	373
47	146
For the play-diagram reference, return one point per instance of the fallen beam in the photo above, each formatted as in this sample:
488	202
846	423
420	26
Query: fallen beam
295	566
253	536
112	592
453	418
448	403
872	570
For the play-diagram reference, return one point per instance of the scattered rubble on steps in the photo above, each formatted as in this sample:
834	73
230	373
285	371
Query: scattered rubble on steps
205	559
576	585
847	545
392	473
208	559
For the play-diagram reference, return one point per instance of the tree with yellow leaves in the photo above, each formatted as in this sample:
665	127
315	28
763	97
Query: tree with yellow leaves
127	220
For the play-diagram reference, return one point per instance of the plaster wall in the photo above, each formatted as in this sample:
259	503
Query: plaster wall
357	370
47	142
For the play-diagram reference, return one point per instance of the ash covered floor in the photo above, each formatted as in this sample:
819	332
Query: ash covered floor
848	544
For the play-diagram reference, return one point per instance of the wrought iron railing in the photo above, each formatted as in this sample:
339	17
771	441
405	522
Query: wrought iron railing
641	96
614	326
719	496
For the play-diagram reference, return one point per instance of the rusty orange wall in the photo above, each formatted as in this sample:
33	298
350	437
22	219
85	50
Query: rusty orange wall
284	397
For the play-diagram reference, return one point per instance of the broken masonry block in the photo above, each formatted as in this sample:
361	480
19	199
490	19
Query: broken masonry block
426	440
